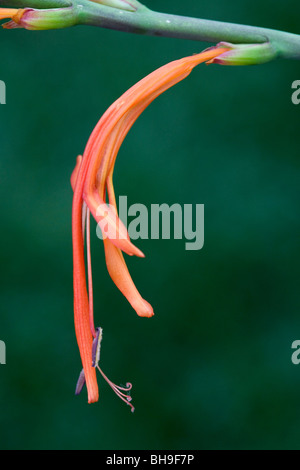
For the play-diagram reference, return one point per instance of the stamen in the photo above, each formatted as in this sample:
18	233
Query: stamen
117	389
80	383
96	348
95	363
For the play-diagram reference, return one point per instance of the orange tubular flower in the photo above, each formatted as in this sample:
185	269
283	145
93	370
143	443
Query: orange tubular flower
92	183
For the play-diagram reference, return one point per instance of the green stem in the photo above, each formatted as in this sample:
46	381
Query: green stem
37	3
145	21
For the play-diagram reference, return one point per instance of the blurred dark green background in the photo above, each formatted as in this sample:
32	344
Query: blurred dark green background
212	369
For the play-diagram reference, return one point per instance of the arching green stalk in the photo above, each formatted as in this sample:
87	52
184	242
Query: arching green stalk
147	22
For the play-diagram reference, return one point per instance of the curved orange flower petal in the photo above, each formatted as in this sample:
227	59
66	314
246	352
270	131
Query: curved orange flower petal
81	301
120	275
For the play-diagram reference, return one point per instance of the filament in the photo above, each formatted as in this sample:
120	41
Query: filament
119	390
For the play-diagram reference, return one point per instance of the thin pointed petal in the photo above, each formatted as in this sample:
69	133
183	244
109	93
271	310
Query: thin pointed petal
120	275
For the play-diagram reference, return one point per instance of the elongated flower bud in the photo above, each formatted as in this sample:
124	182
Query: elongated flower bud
245	54
32	19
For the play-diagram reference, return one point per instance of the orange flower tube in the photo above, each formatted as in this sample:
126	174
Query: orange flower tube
92	181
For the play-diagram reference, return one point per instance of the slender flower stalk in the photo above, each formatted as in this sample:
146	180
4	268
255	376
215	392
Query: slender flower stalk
132	16
92	182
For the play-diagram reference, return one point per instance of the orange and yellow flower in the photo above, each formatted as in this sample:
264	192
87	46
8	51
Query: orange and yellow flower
92	181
